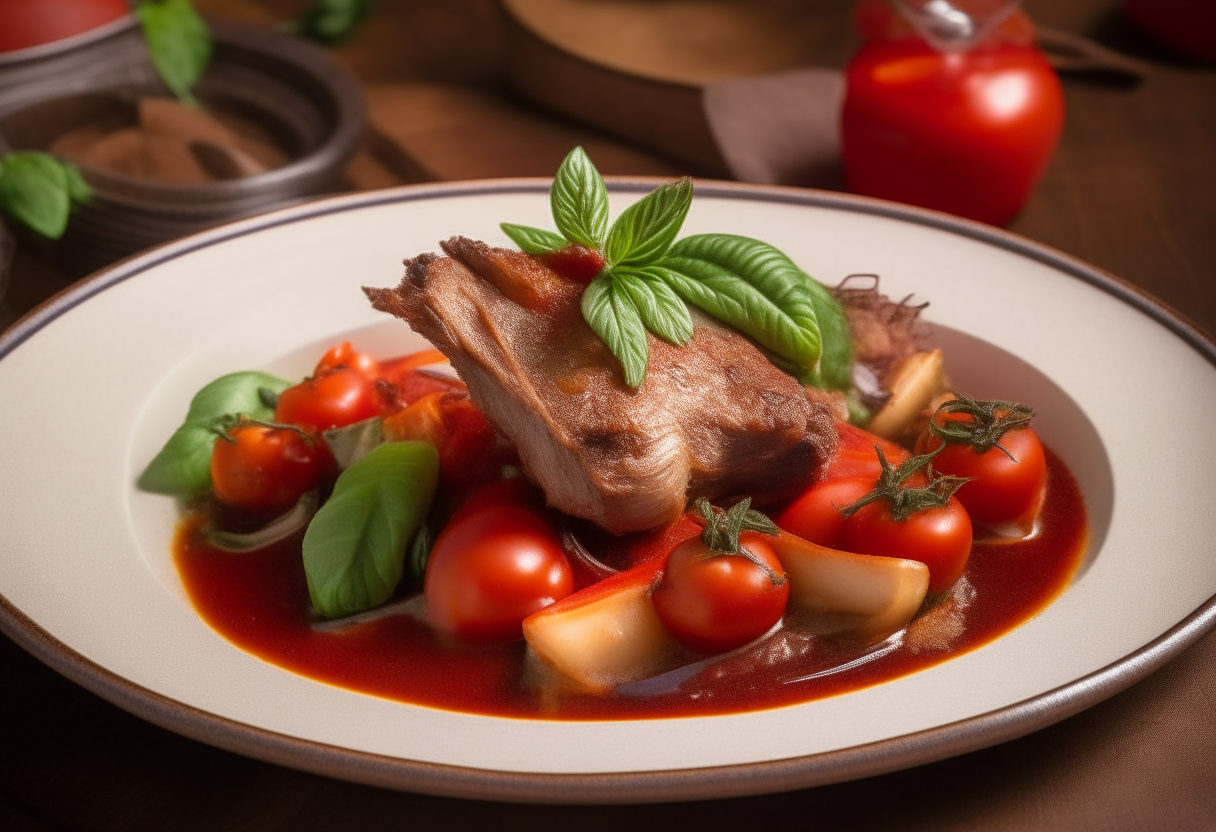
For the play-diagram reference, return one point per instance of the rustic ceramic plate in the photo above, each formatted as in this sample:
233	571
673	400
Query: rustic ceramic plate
92	383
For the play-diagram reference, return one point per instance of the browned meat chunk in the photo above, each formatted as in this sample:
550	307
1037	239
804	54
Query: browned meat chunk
715	418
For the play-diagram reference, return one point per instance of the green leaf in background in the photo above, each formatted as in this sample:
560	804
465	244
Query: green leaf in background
355	547
179	43
835	369
613	316
751	286
579	200
534	241
183	465
38	190
660	308
645	230
331	21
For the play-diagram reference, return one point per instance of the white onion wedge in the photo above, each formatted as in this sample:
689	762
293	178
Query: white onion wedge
883	593
914	383
606	634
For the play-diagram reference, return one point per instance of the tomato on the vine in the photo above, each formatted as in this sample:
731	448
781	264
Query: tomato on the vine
969	132
497	561
940	538
815	514
332	398
345	355
1006	480
260	467
718	592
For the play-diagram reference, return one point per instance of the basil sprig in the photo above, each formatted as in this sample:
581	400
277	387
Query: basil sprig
38	191
179	44
649	278
183	465
355	547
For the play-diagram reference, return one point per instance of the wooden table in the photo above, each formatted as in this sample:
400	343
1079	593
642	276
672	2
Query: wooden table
1132	190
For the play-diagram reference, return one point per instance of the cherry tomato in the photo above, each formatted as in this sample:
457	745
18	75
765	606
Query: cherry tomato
333	398
266	468
815	515
940	538
969	133
1002	489
25	23
344	355
497	561
716	602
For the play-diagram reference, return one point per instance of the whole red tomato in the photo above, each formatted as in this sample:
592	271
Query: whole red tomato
815	515
713	602
968	133
940	538
332	398
497	561
261	468
25	23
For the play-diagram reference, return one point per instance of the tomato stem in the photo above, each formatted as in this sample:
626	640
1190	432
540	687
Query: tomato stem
904	500
990	420
722	529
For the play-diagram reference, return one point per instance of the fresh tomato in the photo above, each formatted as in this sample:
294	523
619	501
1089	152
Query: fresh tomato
815	515
26	23
940	538
969	133
262	468
1004	487
497	561
712	602
332	398
344	355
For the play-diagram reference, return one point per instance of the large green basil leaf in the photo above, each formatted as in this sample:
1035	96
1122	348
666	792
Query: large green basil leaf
660	308
836	359
579	201
179	43
36	189
645	230
612	315
183	465
534	241
751	286
355	546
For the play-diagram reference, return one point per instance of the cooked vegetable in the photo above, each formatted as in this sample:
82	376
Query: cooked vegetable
497	561
914	384
723	589
261	466
355	546
992	445
183	465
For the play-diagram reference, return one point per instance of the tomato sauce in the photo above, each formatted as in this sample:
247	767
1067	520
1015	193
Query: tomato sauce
259	601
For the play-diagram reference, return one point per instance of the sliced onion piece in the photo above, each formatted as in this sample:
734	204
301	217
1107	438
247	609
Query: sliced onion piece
280	528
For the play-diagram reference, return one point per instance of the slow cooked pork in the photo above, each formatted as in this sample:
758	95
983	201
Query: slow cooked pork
712	419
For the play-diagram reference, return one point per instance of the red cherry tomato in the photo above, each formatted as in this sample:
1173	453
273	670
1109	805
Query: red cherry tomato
940	538
815	515
969	133
714	602
1002	489
344	355
333	398
265	468
496	562
25	23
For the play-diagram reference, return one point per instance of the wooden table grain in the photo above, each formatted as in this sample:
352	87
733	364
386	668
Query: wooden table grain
1132	190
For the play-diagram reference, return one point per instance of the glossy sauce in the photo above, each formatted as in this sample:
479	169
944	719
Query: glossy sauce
259	601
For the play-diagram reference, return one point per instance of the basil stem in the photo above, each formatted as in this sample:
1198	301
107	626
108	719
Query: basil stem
355	547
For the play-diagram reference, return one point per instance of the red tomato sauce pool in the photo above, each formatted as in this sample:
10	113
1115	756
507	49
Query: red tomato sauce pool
259	601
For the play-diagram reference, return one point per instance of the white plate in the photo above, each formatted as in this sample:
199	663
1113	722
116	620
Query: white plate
92	384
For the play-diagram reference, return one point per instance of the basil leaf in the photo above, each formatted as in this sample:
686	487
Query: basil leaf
35	191
612	315
533	241
660	308
751	286
179	44
331	21
645	230
835	368
183	465
355	546
579	201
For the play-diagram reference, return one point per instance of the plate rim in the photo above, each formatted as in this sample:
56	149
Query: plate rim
850	763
